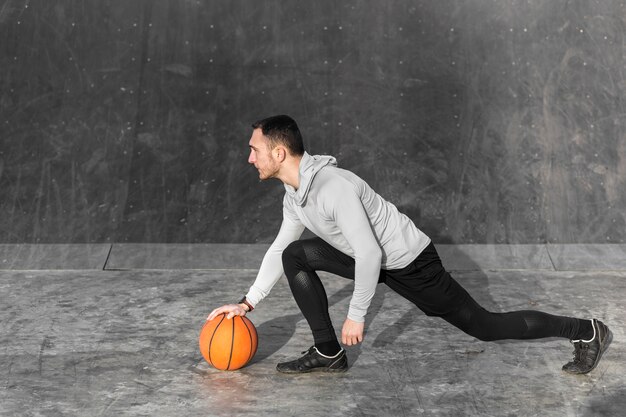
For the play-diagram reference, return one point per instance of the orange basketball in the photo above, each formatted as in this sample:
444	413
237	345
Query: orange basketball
228	344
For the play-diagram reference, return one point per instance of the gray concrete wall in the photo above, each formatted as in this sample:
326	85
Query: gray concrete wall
485	121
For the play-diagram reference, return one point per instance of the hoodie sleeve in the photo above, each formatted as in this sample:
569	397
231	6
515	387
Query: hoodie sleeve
352	220
272	266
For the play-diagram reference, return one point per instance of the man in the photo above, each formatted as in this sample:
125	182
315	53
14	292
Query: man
361	236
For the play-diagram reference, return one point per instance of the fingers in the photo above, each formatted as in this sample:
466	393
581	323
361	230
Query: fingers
214	313
231	310
352	332
351	340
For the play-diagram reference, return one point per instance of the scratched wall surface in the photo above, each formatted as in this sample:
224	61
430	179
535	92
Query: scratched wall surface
490	121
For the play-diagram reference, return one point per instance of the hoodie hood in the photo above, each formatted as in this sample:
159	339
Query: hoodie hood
309	167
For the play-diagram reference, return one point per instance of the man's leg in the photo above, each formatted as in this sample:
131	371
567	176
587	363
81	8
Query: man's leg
300	261
426	283
590	337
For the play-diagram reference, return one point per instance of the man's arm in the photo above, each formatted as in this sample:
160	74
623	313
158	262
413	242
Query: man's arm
354	224
272	266
269	273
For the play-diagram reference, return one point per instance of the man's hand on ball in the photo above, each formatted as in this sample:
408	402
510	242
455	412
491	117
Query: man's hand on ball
231	310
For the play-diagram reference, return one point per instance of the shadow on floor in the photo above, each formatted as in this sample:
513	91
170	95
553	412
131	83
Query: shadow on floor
610	404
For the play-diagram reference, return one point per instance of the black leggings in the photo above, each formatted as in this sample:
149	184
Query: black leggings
425	283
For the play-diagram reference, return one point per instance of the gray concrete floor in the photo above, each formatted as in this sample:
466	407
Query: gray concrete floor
123	341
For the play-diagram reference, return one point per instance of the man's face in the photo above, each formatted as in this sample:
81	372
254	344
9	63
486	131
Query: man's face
261	156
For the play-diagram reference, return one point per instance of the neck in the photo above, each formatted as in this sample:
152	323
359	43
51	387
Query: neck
290	172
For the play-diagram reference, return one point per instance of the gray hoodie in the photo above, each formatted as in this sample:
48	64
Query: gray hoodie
341	208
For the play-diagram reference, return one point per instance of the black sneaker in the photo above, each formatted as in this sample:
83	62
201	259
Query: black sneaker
314	361
587	353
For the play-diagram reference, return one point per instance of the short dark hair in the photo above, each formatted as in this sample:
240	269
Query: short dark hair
282	130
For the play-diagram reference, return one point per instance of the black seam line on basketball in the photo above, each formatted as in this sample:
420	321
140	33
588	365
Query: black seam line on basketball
232	343
211	339
249	334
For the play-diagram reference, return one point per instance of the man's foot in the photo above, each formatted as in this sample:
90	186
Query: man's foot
314	361
587	353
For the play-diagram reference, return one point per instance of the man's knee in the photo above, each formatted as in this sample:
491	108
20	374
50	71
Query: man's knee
293	257
475	321
487	326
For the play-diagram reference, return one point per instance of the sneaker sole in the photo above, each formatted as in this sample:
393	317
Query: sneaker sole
320	369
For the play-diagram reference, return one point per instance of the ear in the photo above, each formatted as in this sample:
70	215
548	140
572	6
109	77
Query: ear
281	153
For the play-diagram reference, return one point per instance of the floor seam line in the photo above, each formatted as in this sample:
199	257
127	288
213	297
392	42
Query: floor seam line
550	257
106	261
